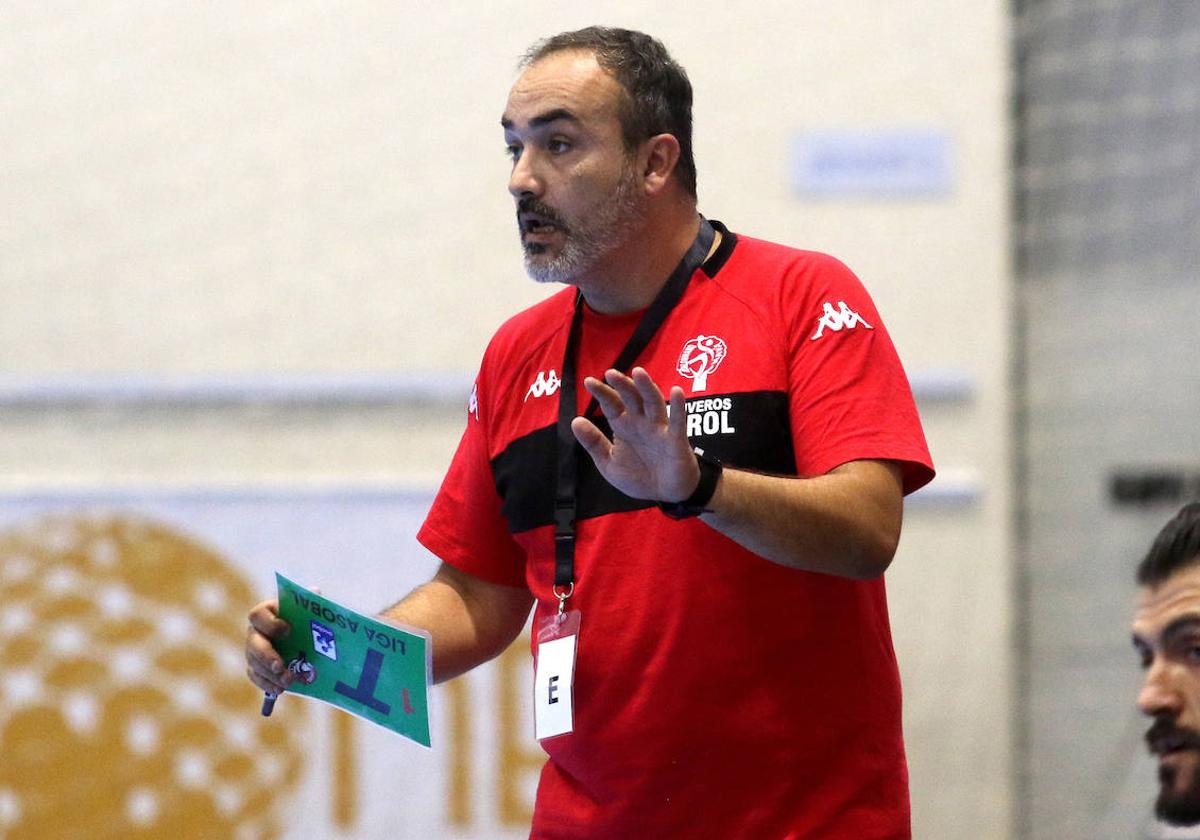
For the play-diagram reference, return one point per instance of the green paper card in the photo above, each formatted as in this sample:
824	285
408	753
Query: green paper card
369	668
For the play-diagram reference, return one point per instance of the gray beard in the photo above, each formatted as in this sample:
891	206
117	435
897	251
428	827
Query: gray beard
586	242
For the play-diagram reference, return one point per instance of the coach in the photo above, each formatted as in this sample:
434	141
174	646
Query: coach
691	462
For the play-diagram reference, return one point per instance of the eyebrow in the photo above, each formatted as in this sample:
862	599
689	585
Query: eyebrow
1181	625
540	120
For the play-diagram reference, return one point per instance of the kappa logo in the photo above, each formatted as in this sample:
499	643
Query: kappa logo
842	318
700	357
546	384
473	401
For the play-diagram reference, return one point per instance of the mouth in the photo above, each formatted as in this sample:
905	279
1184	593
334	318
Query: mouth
1171	742
1171	754
535	228
540	232
537	222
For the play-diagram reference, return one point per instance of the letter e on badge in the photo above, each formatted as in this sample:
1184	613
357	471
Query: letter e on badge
553	713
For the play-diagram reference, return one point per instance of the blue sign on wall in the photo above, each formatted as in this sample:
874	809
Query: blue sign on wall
872	164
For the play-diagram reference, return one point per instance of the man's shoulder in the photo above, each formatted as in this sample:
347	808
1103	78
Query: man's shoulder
760	267
752	250
782	287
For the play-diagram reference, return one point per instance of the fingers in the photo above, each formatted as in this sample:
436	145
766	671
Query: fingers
677	419
592	440
264	666
651	398
264	617
606	397
619	394
626	390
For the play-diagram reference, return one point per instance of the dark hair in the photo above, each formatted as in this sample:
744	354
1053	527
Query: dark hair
1176	546
658	94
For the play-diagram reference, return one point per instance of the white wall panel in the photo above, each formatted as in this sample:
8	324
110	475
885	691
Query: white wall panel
216	192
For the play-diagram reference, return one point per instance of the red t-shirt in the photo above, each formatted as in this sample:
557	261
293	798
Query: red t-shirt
716	694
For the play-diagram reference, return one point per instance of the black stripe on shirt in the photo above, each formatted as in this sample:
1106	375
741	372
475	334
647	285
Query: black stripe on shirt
760	440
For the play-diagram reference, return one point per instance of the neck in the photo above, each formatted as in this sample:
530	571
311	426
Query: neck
632	276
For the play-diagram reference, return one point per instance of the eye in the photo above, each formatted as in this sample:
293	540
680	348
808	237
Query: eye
558	146
1188	649
1184	649
513	151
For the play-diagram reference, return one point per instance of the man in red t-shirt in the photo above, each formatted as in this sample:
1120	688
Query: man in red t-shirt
712	652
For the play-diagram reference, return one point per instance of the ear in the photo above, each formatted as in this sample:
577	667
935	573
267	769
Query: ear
658	159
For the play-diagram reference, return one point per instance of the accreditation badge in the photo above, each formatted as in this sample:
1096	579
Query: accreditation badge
554	675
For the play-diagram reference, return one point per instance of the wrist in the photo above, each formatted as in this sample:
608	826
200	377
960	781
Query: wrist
696	504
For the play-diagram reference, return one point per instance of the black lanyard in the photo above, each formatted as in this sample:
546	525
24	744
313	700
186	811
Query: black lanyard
569	450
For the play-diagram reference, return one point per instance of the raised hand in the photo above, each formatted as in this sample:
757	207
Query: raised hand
649	456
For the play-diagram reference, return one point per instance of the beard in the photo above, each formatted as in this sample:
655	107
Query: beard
1177	807
1174	806
585	240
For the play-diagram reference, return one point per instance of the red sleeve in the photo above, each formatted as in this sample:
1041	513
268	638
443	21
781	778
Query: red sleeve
850	398
464	526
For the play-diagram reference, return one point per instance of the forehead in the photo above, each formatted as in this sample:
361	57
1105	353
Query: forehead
568	80
1156	607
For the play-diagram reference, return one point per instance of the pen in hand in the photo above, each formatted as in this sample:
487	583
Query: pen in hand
268	704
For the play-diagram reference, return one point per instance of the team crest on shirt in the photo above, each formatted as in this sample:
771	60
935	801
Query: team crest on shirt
700	357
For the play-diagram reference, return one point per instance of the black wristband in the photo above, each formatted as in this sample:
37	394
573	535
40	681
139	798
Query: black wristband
694	505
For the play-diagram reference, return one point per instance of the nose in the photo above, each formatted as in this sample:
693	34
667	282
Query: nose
1159	695
524	179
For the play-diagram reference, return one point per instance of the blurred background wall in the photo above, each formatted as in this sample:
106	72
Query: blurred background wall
250	256
1107	245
